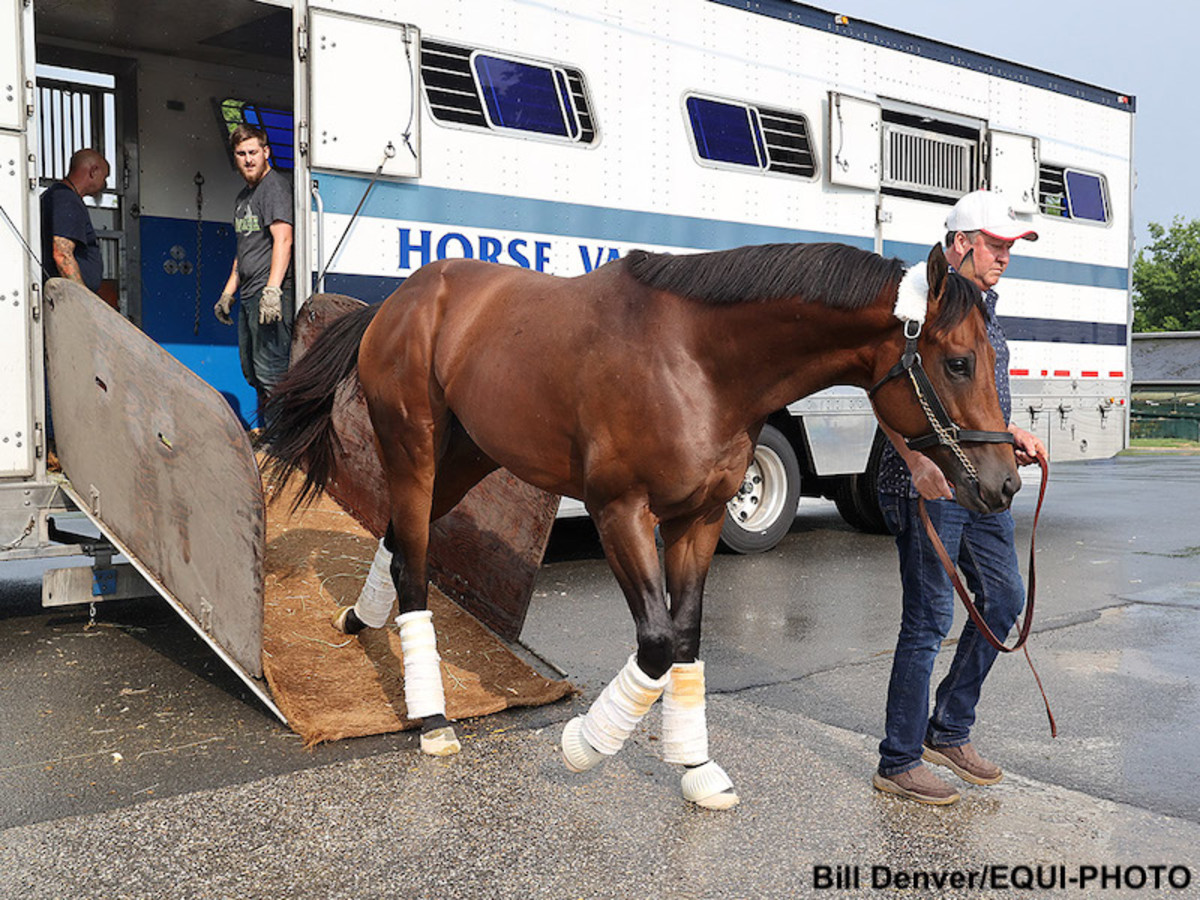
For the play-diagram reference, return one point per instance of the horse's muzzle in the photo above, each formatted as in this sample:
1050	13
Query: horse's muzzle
992	493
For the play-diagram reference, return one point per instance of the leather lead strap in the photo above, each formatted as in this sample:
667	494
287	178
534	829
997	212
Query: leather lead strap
972	610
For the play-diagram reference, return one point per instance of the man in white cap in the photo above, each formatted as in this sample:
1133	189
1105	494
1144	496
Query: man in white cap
983	225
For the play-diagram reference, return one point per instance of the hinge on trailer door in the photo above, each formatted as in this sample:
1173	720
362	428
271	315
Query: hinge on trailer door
31	170
303	141
30	89
302	43
39	441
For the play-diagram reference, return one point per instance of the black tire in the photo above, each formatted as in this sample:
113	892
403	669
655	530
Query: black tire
857	496
765	507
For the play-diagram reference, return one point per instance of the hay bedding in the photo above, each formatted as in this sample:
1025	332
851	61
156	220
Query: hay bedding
330	685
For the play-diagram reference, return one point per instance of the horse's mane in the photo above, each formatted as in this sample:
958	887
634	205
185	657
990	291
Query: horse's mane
835	275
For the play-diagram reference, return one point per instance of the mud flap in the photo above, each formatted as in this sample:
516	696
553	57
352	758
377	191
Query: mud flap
484	554
157	459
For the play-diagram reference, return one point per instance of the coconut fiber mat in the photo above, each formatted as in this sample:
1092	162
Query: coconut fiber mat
330	685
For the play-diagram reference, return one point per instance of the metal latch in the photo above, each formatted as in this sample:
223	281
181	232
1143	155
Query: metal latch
302	43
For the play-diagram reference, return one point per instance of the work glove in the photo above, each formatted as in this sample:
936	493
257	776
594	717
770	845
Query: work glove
222	308
270	306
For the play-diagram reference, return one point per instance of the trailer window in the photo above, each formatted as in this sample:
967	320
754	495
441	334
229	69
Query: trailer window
1072	194
277	123
468	88
726	133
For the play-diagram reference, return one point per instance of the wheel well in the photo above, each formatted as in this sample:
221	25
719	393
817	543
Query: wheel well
790	427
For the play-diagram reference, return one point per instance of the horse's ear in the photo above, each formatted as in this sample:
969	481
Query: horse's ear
966	268
936	268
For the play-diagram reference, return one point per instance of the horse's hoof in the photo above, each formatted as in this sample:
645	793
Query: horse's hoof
708	786
347	621
578	754
440	742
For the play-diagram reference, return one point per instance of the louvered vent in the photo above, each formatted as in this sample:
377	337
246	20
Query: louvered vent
789	149
450	85
1052	191
927	163
583	109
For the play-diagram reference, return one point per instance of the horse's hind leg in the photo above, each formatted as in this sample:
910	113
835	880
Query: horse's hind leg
627	533
689	550
462	466
408	446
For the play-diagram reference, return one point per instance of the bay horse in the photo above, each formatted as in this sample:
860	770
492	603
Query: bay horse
640	389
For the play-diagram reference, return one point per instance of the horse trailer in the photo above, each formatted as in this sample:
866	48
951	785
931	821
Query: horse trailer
556	136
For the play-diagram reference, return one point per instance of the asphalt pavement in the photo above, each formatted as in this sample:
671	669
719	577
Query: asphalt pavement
133	765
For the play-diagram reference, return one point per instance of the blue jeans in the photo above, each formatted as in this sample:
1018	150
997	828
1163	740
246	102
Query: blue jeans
265	349
984	548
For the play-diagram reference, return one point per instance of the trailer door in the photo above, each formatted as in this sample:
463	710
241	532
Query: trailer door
854	129
363	95
1013	169
20	368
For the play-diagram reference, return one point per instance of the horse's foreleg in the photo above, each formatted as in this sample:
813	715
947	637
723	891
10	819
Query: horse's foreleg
628	540
689	552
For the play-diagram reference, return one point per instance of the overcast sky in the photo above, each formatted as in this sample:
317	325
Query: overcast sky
1147	50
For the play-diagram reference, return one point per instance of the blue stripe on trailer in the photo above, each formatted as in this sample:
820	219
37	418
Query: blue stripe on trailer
1064	331
420	203
1056	271
367	288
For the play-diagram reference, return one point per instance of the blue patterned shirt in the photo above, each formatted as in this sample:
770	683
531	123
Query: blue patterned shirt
894	477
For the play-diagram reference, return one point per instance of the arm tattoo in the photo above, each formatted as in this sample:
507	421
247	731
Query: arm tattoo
64	259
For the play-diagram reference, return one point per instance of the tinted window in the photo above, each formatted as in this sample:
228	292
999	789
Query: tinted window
525	96
277	123
1085	193
725	132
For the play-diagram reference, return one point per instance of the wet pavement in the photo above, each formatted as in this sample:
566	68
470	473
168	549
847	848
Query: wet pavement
132	765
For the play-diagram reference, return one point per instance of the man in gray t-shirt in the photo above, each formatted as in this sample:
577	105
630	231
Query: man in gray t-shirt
262	270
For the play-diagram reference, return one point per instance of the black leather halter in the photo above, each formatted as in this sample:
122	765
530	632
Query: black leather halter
944	431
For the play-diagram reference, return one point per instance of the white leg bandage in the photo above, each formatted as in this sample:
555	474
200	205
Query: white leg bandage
378	593
423	694
620	706
709	786
684	729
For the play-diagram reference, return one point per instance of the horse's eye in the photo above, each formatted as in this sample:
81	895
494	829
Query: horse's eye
959	366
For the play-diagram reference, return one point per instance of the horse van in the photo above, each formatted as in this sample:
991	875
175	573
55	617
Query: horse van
555	136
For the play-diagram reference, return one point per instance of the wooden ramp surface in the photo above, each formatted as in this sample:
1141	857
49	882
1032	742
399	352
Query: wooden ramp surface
332	686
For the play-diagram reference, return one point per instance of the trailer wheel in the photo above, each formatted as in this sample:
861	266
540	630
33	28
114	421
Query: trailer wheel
857	496
763	510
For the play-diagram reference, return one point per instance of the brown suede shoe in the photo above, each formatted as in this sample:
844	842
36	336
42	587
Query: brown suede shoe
965	762
917	784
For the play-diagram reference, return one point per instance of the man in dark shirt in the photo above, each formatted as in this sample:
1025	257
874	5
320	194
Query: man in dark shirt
69	245
982	225
262	270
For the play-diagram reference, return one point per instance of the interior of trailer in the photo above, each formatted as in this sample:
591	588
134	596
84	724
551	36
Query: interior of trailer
158	94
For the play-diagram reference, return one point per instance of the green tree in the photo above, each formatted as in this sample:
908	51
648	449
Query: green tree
1166	279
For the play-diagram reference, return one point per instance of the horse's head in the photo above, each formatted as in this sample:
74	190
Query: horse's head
942	397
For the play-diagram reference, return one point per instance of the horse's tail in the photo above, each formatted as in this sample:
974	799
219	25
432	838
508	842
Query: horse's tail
298	414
